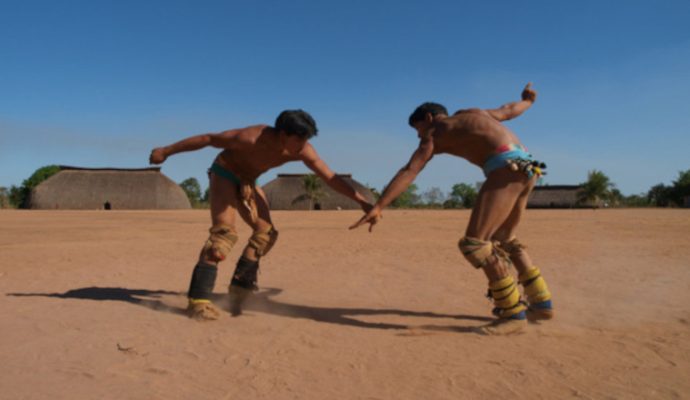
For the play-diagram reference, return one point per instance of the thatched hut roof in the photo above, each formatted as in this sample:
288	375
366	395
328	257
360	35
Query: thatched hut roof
554	196
287	192
117	188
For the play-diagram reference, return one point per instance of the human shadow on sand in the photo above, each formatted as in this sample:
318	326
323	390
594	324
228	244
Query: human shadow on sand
142	297
263	302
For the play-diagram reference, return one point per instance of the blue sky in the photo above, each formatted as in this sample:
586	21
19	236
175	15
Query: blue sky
100	83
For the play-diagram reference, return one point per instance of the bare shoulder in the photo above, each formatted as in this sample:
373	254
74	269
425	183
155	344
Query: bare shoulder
469	111
308	152
247	134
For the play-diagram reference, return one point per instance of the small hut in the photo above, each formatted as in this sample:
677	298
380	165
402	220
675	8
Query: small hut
554	196
75	188
288	192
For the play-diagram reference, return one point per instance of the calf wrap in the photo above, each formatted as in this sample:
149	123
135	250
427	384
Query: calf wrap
263	240
221	240
535	286
478	252
203	280
506	297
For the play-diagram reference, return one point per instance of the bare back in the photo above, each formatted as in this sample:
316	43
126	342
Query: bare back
471	134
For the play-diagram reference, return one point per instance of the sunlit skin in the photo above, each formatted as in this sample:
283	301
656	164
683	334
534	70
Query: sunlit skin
473	134
248	153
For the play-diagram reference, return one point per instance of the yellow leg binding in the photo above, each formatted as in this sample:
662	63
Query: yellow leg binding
507	299
538	294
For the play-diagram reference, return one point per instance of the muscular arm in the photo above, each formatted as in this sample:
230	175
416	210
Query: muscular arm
516	108
407	174
312	160
223	140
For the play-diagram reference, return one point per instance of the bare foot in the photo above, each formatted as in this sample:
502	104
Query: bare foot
203	311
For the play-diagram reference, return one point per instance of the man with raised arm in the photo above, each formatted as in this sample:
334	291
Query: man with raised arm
490	241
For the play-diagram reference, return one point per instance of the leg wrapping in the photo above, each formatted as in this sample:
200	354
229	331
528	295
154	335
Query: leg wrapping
507	299
535	286
245	274
263	240
479	252
203	280
221	240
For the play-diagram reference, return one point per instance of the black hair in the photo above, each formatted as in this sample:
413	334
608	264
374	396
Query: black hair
427	108
297	123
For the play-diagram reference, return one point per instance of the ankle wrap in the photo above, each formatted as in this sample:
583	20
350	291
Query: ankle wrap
245	274
203	280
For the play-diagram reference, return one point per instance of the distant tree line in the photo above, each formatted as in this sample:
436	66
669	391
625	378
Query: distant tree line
597	191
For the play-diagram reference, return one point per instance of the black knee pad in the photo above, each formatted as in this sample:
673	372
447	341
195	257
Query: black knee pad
203	281
245	274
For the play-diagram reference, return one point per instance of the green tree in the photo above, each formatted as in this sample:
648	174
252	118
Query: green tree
636	200
681	188
313	188
4	197
462	195
616	197
409	198
19	196
597	189
192	189
659	195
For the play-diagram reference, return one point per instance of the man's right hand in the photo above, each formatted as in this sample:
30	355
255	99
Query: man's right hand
157	156
371	218
528	94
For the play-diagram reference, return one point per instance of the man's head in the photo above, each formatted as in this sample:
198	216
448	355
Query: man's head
295	127
424	115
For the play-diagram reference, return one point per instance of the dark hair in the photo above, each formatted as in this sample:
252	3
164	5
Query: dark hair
297	123
427	108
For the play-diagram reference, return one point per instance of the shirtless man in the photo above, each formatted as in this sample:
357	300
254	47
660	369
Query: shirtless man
511	173
247	153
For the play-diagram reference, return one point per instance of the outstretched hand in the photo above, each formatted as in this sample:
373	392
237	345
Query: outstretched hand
528	94
371	218
157	156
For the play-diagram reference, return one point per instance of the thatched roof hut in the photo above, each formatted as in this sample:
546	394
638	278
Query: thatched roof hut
105	188
554	196
287	192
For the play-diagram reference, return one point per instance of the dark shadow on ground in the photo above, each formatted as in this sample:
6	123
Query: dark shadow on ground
263	302
142	297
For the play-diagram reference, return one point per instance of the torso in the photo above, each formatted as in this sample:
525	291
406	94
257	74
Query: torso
256	151
471	134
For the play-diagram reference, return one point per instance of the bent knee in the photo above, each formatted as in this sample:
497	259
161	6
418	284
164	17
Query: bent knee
263	240
476	251
221	240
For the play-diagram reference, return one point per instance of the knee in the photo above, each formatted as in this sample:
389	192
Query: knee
479	252
263	240
220	242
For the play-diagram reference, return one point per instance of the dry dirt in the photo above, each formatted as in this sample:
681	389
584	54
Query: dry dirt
91	304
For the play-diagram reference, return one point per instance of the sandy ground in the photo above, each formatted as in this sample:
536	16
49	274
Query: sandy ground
91	305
